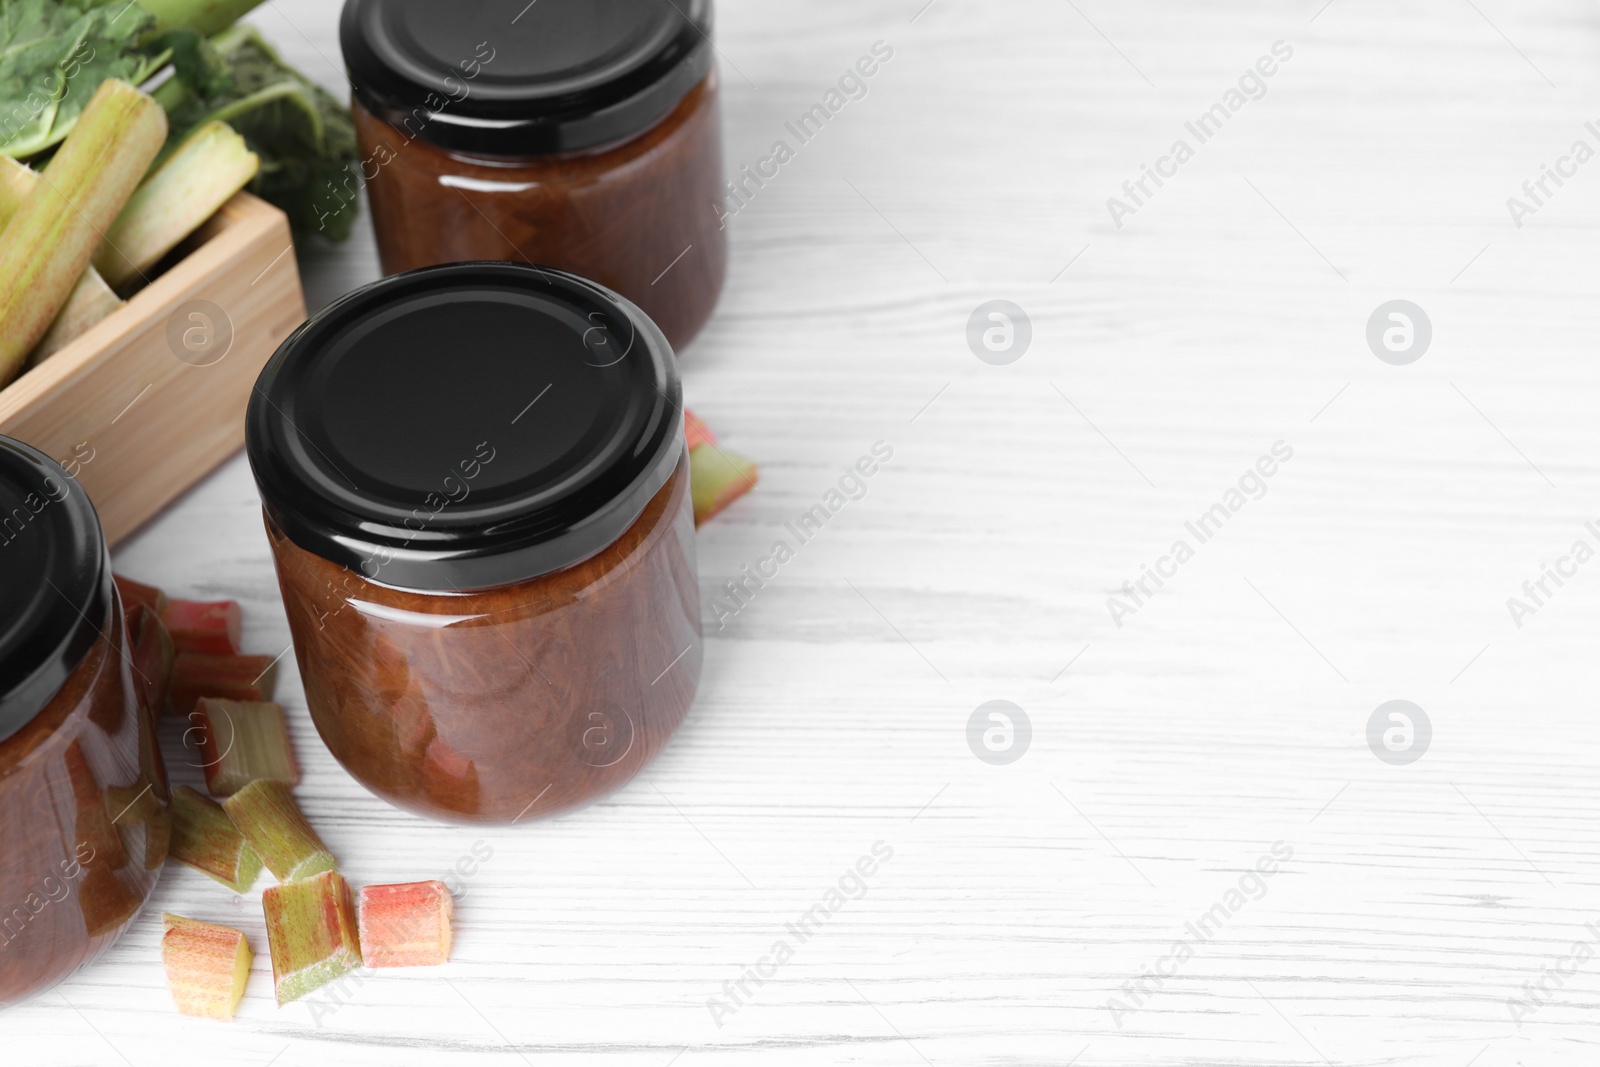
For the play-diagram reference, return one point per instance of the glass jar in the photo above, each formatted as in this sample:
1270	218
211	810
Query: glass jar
84	827
477	496
583	134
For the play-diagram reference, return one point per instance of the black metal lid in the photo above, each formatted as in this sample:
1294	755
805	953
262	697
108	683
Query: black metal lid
55	581
466	426
513	78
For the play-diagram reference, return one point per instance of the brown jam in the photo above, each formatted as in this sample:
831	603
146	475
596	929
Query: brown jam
84	827
477	496
504	703
584	135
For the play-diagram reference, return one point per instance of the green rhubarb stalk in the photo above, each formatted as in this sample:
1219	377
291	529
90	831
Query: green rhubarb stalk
184	190
90	300
178	196
241	742
265	812
203	837
718	477
16	182
50	240
311	931
203	16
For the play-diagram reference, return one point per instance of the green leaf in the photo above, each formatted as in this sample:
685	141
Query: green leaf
53	56
304	136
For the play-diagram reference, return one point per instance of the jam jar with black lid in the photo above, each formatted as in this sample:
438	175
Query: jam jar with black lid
583	134
83	796
477	496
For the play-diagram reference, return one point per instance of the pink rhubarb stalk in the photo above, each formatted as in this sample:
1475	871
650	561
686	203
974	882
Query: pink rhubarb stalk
406	925
696	431
246	678
208	628
207	967
138	593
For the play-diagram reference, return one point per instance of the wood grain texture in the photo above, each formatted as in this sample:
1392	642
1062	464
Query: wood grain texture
1227	714
119	408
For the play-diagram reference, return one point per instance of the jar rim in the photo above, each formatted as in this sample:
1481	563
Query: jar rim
399	433
561	76
55	581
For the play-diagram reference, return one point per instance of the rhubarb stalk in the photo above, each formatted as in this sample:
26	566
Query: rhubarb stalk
205	17
209	628
265	812
248	678
136	592
91	298
241	742
90	301
50	240
311	929
203	837
406	925
695	431
718	477
182	192
207	966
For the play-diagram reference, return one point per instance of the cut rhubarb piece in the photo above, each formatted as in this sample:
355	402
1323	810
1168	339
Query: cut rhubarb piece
241	742
138	593
717	478
51	238
695	429
406	925
152	653
210	628
265	812
246	678
203	837
311	929
207	967
181	192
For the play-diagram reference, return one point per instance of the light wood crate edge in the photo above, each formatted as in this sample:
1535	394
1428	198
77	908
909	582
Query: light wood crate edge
131	420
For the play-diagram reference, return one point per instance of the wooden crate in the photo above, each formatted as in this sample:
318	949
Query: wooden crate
119	408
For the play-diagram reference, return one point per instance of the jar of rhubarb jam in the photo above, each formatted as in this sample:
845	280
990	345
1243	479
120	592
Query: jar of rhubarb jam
83	797
477	495
583	134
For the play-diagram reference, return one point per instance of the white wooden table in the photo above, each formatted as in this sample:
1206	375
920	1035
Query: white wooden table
1228	713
